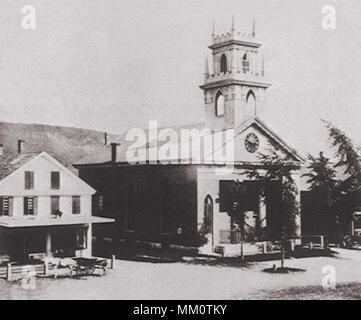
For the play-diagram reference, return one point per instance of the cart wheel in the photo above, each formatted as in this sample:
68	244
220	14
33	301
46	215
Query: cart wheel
71	272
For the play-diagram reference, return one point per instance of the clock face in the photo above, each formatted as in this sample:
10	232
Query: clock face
251	143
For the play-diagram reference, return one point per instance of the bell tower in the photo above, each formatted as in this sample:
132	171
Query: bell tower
235	89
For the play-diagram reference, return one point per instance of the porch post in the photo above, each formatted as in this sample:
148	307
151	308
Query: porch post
88	252
48	243
8	272
262	213
296	177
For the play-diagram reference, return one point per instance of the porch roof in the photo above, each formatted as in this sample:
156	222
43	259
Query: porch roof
13	222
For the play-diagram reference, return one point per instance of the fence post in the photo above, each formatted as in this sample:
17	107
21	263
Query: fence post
112	262
46	268
8	272
264	247
292	246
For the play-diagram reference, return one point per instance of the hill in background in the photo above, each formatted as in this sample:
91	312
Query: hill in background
65	143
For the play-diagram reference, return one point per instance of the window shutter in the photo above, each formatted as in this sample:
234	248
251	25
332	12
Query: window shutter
31	182
26	206
11	206
52	205
35	206
73	203
1	206
100	203
79	205
27	182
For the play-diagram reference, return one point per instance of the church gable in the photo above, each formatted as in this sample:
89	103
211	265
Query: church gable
255	138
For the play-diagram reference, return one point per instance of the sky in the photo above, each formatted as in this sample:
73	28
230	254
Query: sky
112	65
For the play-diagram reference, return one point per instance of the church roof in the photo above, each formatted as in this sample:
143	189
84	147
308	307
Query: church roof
104	157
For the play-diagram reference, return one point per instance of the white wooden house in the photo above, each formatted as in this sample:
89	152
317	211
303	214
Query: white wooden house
45	208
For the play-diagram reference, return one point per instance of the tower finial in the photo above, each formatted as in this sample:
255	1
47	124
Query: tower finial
232	24
214	28
254	28
262	71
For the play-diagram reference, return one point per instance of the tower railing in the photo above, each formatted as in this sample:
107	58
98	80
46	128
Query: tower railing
240	36
236	75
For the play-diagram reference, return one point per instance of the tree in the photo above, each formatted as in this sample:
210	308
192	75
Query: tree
275	168
321	175
348	155
324	188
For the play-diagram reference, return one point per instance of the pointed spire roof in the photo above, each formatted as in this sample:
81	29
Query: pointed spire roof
254	28
232	24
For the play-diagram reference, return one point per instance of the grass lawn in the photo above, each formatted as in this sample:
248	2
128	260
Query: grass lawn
349	291
204	279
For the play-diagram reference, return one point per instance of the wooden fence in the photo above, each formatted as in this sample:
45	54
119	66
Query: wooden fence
17	271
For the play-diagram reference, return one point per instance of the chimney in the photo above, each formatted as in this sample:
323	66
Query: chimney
20	145
1	149
105	138
114	151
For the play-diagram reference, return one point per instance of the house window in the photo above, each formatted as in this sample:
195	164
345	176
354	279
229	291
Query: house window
54	205
30	206
223	64
219	104
81	239
245	63
100	203
55	180
76	204
6	206
29	180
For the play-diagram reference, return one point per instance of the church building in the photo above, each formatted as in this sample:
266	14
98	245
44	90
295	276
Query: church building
150	200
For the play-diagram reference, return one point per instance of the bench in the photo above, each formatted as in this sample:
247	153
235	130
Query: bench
313	241
220	250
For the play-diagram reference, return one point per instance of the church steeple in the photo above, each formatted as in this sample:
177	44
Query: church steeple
214	29
236	80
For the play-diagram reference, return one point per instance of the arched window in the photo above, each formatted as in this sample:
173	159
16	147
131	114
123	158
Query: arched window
219	104
250	105
208	213
245	63
223	63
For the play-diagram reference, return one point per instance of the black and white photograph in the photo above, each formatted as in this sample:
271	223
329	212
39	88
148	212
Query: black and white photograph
172	150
